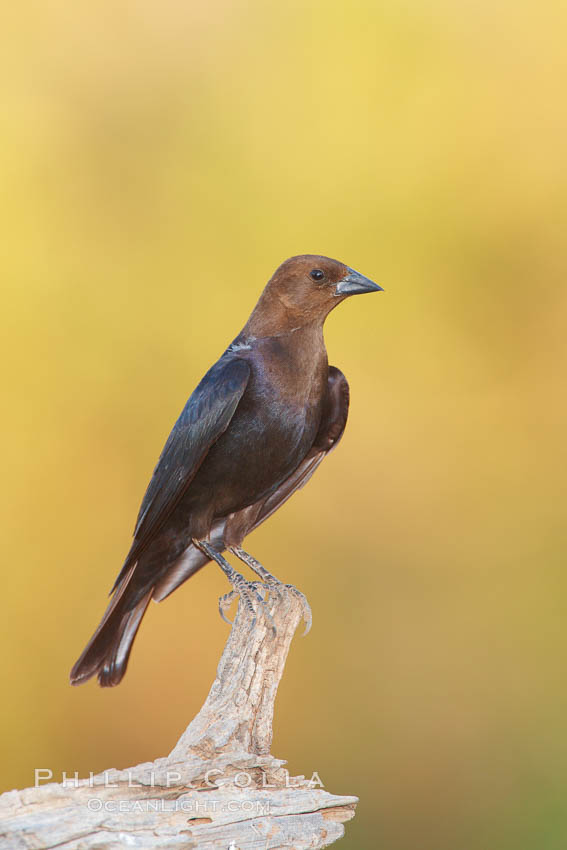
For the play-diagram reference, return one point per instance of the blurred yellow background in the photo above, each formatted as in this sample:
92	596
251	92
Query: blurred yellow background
158	161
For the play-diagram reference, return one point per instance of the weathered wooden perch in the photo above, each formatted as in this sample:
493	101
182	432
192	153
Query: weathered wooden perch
219	787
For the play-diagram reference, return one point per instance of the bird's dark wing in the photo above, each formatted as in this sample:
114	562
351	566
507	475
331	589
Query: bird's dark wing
204	418
333	421
331	428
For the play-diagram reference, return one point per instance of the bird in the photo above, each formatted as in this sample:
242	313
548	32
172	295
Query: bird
253	432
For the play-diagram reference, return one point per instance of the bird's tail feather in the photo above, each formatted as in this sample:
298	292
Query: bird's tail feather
106	654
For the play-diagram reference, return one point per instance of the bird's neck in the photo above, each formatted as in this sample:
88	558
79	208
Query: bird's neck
274	316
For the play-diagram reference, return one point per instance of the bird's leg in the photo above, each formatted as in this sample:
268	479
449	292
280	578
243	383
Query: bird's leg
274	584
247	590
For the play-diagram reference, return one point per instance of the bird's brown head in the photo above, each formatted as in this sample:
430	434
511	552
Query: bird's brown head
304	290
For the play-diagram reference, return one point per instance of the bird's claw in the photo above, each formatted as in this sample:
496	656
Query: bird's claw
307	613
224	604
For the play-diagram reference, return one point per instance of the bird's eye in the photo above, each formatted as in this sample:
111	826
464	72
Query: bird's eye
317	274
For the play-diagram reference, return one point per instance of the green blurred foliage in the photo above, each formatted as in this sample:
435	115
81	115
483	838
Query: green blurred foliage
157	161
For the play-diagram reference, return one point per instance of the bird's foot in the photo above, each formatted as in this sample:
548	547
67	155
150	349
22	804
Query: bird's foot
248	591
278	589
275	587
253	595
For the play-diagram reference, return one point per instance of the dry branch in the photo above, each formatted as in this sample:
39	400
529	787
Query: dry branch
219	787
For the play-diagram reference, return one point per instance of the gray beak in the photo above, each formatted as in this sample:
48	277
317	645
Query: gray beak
354	283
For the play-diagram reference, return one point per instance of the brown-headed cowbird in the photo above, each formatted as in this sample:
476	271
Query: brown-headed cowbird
253	431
